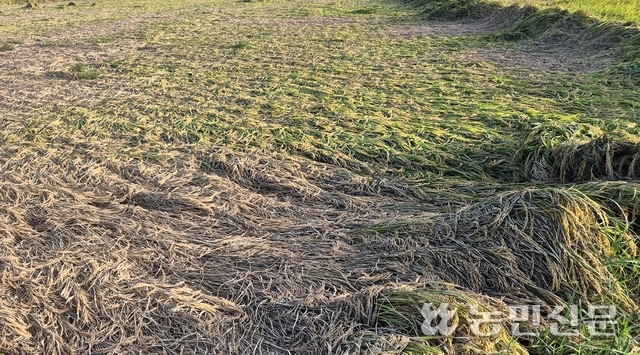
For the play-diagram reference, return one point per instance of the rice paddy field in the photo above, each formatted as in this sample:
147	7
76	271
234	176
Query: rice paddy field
319	177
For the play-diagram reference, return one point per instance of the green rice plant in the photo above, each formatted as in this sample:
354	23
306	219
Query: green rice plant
454	9
622	342
572	153
365	11
83	71
534	25
5	47
621	199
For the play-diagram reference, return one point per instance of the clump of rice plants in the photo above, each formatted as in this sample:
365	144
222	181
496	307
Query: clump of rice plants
566	235
535	24
582	241
31	4
83	71
5	47
454	10
579	153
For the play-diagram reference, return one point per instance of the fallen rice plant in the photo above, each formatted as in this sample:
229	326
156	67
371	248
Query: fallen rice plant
147	257
575	154
294	177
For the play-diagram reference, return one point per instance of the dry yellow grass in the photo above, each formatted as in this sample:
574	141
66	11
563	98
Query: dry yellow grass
267	177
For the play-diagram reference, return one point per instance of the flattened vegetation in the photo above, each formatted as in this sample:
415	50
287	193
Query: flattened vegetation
301	177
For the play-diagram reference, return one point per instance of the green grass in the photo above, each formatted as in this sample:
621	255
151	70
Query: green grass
82	71
5	47
370	102
612	10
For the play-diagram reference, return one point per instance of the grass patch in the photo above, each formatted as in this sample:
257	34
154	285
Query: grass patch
620	10
5	47
539	22
62	43
365	11
83	71
454	9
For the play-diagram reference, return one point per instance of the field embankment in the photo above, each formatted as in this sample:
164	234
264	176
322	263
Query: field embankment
587	32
